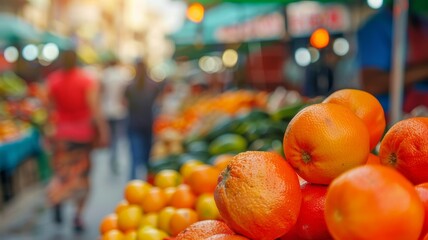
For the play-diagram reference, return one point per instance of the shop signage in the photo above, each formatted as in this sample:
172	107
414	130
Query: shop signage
267	27
304	17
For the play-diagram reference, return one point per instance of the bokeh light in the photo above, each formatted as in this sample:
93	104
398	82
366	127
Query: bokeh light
230	58
341	46
30	52
302	57
315	54
320	38
50	52
11	54
375	4
195	12
210	64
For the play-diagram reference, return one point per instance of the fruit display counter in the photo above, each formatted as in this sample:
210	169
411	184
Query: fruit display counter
22	115
326	184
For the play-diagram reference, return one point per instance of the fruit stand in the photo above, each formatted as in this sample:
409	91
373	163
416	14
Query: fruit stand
22	161
328	184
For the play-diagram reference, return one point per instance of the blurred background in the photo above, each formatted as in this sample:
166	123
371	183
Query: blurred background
214	59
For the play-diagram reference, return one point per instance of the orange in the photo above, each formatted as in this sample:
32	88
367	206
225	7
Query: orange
405	148
226	237
169	191
221	161
426	237
324	140
108	223
311	222
204	229
206	208
135	191
164	218
366	107
203	179
113	235
167	178
373	159
258	195
151	233
149	219
129	218
130	235
154	201
181	219
183	197
422	190
121	206
187	168
373	202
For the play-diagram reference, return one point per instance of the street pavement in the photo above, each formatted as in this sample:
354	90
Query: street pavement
28	217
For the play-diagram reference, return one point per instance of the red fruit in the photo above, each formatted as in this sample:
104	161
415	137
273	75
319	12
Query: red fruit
422	190
311	223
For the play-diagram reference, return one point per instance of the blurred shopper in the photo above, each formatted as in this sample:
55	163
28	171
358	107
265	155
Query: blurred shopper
77	122
140	96
375	48
115	79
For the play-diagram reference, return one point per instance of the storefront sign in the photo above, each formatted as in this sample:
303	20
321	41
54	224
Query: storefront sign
304	17
266	27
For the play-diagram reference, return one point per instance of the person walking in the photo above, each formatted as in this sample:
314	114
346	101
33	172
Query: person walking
114	81
77	122
140	96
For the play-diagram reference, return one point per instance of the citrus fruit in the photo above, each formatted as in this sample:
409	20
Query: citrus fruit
373	159
206	208
324	140
169	191
221	161
183	197
167	178
258	195
422	190
311	223
226	237
113	235
187	168
130	235
129	218
181	219
108	223
149	219
135	191
154	200
203	179
121	206
405	148
366	107
204	229
373	202
164	218
150	233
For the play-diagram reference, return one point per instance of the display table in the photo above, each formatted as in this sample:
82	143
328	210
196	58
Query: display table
14	152
18	163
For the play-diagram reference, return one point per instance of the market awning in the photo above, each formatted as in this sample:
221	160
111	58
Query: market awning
14	30
231	23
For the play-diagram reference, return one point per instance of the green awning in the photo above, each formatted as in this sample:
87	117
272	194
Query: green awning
14	30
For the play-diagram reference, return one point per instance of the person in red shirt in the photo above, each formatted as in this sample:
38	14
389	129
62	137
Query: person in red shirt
77	122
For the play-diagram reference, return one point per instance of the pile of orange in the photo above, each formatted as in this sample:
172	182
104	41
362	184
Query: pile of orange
171	204
330	185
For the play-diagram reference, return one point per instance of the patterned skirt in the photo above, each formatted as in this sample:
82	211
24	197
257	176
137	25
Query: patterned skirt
71	167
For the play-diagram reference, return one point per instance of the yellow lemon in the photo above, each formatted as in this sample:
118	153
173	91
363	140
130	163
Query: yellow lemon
164	218
206	207
168	178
